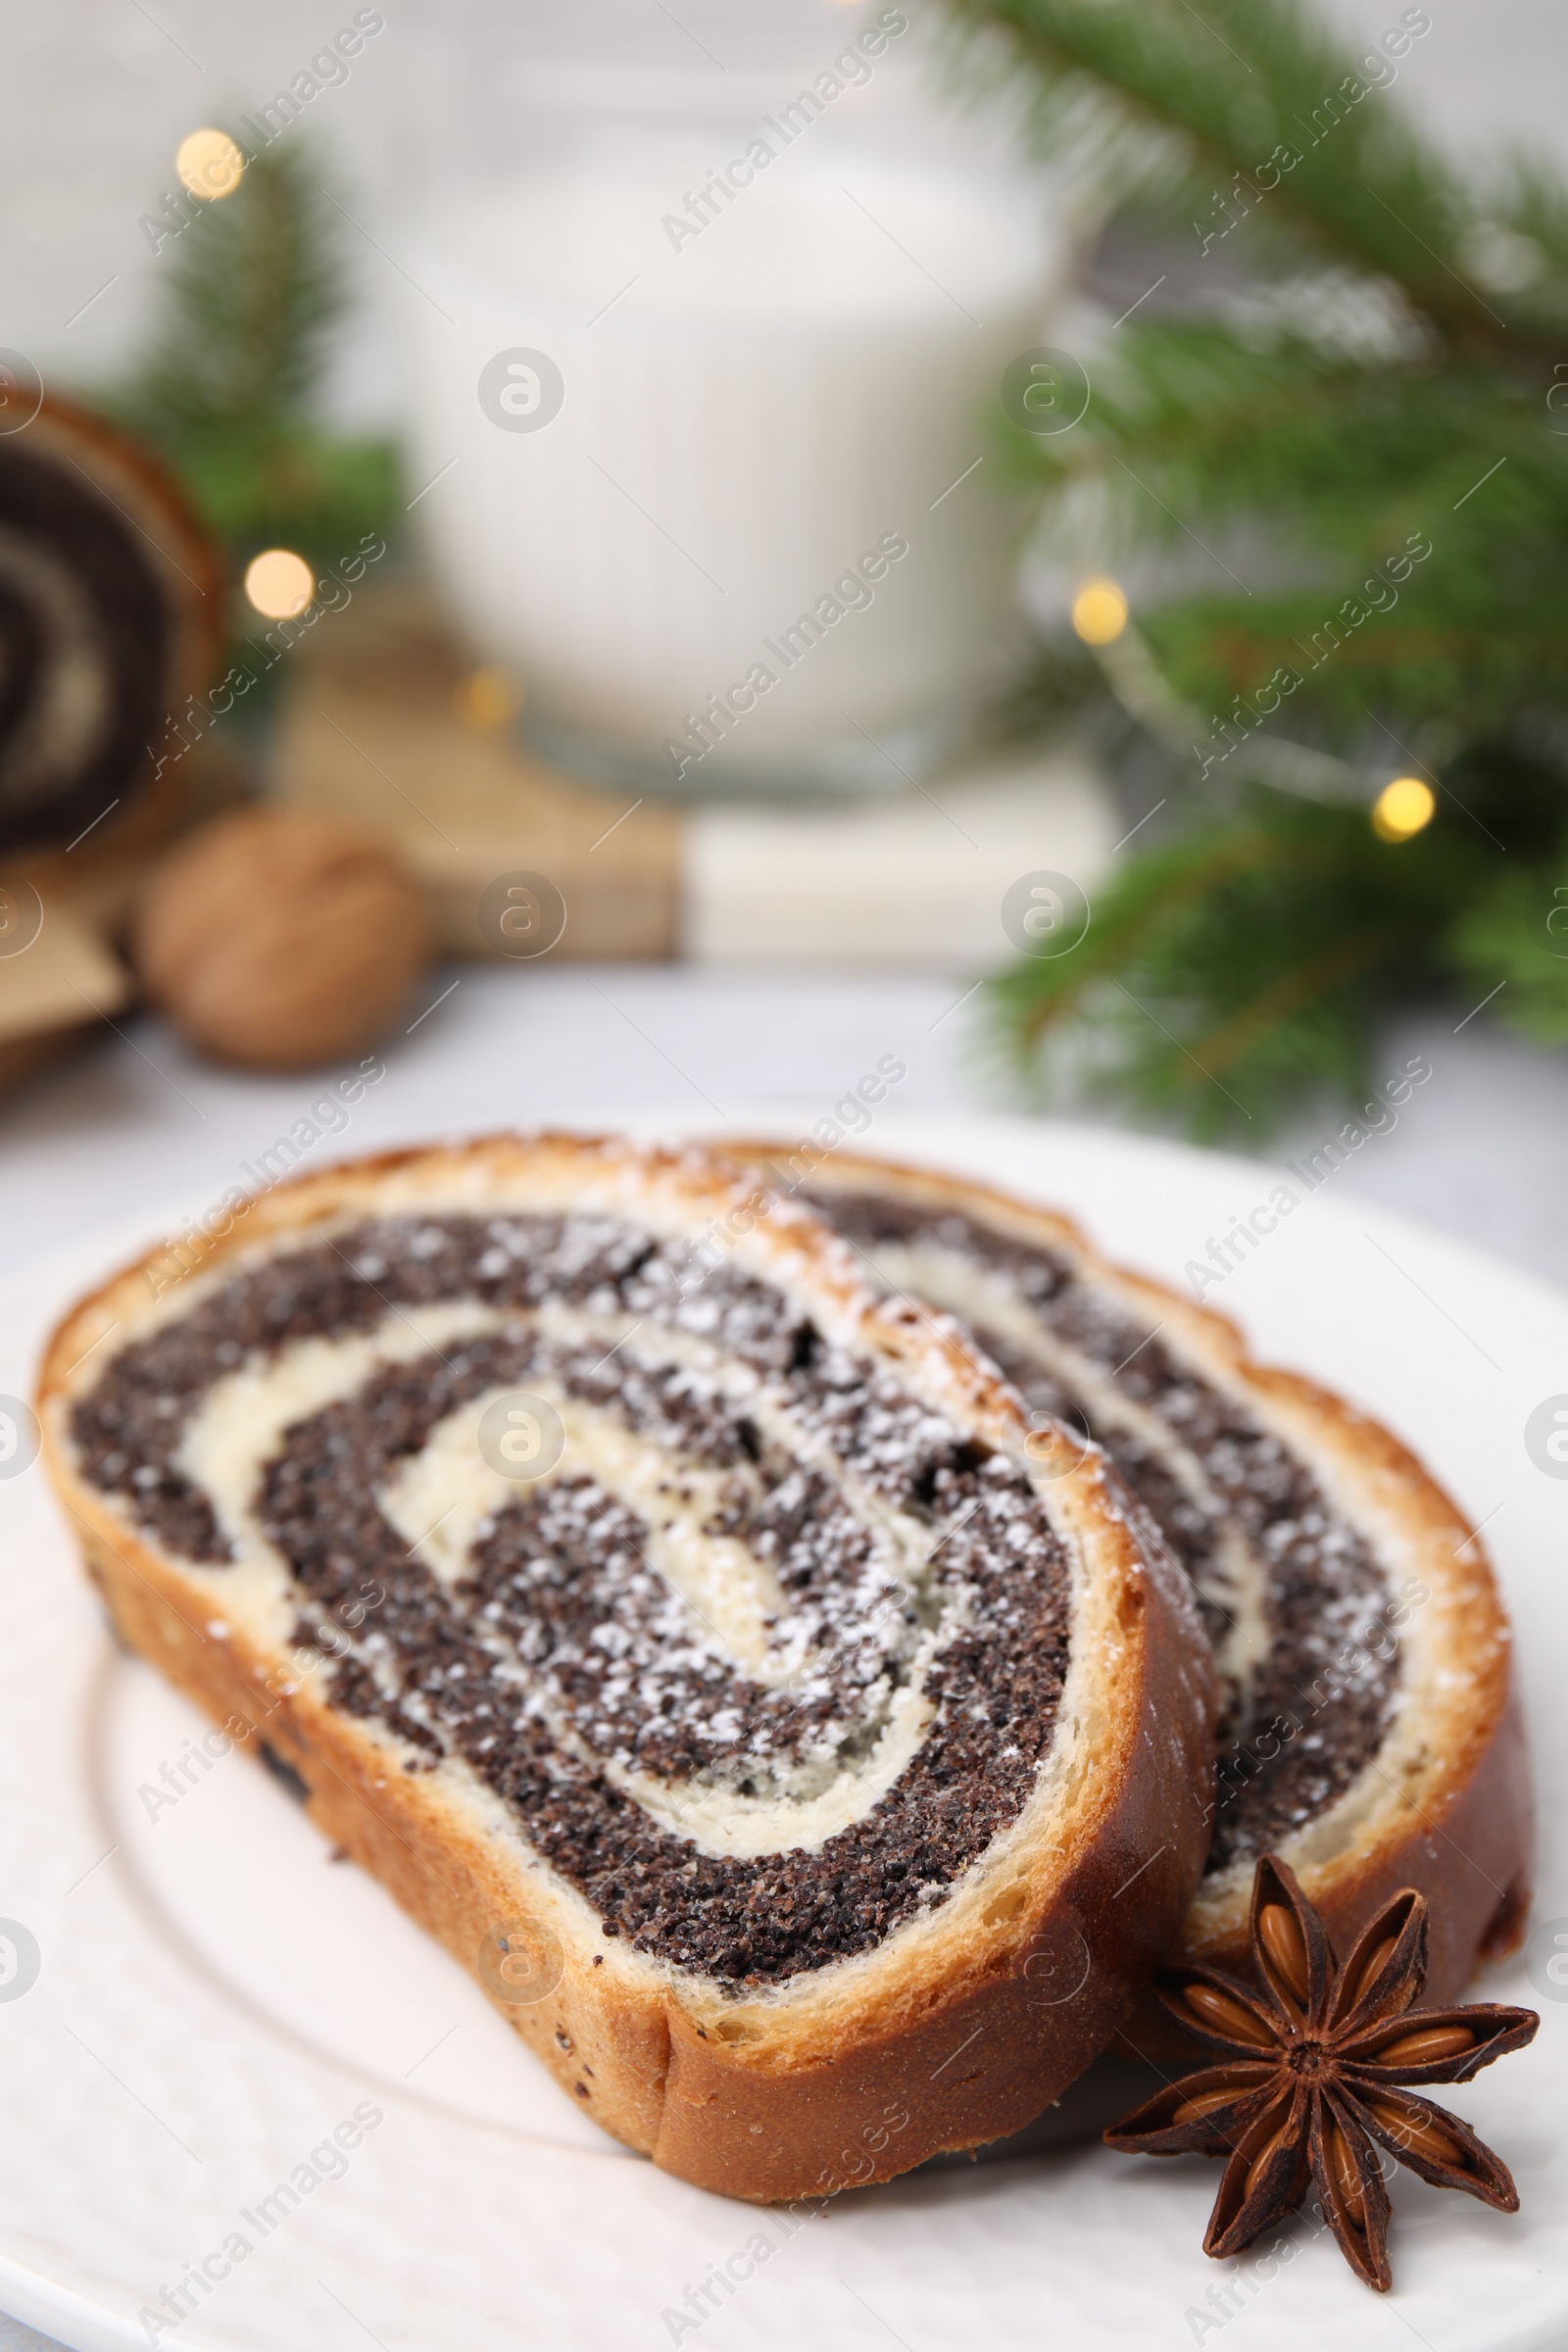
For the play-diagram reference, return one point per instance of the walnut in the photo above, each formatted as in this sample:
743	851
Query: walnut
281	940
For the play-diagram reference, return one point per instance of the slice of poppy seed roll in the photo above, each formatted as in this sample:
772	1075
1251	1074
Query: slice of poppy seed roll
1369	1730
812	1762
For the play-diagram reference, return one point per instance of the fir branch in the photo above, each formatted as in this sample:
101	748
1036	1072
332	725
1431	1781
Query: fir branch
252	290
1363	465
1515	935
1255	96
1343	468
1238	963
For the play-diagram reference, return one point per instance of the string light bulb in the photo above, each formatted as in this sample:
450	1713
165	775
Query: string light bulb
280	583
488	699
210	165
1100	611
1403	808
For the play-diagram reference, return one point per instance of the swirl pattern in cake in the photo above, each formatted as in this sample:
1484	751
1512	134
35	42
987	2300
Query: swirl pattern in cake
1368	1730
622	1582
696	1622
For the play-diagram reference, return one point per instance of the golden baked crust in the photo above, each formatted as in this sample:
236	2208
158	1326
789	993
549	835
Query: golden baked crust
1447	1805
964	2022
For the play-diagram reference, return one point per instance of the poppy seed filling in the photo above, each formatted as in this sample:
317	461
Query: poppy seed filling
905	1585
1317	1706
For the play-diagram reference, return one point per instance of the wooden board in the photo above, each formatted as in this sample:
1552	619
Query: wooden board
72	976
373	732
379	730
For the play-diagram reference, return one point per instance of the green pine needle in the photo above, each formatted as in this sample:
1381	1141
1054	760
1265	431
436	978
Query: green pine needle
1514	938
1361	461
251	292
1233	967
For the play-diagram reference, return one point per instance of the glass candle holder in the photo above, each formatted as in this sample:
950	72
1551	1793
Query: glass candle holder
701	363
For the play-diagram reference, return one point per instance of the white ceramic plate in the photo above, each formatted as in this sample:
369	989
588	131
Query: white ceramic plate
215	1995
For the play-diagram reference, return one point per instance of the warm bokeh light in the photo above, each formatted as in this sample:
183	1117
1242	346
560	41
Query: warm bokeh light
280	583
1403	808
1098	611
488	699
210	164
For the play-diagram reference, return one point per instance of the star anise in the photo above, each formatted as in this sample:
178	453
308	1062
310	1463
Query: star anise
1306	2089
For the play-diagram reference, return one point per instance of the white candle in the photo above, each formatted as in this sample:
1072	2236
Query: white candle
744	517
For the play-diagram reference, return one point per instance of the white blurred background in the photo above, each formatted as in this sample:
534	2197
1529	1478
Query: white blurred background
96	94
94	99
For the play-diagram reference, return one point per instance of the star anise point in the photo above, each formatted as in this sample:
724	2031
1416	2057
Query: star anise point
1316	2073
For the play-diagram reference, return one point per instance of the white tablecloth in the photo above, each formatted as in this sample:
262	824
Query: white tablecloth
137	1126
